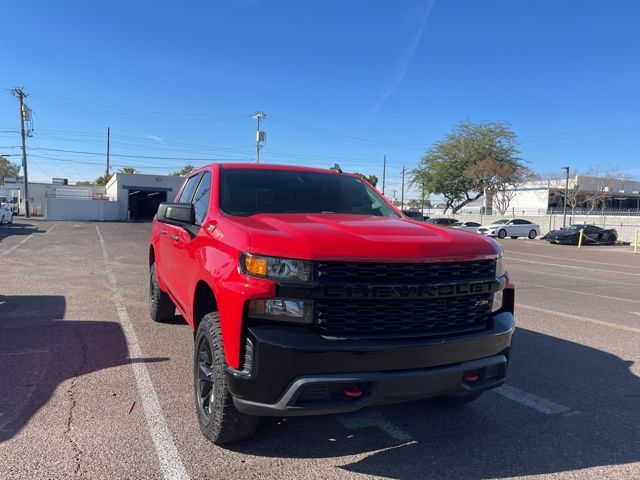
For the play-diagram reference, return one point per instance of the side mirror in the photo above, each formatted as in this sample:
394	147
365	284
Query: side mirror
180	214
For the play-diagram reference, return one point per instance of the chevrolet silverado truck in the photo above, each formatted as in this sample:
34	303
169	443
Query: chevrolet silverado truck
309	293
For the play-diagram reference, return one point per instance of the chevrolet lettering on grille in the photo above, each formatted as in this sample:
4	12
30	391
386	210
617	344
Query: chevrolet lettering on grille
408	291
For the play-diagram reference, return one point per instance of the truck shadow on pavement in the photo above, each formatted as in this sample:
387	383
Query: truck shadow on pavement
39	351
494	437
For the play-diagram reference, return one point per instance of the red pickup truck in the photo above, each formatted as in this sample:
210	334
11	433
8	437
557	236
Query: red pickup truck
309	293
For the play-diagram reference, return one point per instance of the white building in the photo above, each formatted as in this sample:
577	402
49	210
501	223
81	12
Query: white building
126	196
584	193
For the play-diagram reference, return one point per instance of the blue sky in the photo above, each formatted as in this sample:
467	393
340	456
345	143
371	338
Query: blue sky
341	81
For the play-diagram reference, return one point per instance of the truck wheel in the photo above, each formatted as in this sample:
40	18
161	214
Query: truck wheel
161	307
502	233
457	401
532	234
219	420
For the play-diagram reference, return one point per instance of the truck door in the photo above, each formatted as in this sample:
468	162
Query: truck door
183	245
170	239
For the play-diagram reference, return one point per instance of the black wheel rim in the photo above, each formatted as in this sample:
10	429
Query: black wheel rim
206	386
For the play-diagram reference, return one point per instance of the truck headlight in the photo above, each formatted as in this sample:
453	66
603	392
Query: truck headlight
501	276
500	270
283	309
275	268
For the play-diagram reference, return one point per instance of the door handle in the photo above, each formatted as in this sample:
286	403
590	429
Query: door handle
175	237
162	231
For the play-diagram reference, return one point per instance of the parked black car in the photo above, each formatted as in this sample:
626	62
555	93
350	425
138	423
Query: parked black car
593	235
414	215
445	222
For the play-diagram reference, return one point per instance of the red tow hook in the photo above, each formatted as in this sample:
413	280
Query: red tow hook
352	391
470	376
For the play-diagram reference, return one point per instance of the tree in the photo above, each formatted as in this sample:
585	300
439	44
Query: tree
471	161
128	170
103	179
8	169
184	171
372	179
505	184
414	203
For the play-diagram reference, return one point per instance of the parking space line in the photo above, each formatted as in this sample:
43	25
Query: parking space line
9	250
530	400
24	352
166	450
573	277
568	259
510	259
578	292
577	317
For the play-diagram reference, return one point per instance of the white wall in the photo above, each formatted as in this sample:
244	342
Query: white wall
70	209
115	187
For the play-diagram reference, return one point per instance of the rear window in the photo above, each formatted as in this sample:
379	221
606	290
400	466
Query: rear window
250	191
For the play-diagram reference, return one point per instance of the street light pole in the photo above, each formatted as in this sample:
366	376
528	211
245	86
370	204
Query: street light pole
566	192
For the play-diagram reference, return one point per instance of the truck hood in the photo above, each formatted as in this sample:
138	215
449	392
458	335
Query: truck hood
359	238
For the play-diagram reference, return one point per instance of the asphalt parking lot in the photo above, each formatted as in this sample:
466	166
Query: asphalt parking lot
91	388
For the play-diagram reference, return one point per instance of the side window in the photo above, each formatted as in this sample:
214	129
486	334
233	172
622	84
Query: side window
201	198
187	191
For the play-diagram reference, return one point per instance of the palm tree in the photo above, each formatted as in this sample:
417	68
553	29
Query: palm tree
128	170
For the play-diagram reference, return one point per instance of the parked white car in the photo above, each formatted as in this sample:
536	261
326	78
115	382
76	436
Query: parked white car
511	228
6	215
467	226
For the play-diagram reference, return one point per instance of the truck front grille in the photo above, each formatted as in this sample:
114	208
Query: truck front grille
404	273
399	317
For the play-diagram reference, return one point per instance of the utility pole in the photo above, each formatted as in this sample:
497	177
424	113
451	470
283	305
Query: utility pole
20	94
402	192
261	136
422	202
384	172
566	192
108	144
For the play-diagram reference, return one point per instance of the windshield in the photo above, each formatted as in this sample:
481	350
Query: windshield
250	191
573	227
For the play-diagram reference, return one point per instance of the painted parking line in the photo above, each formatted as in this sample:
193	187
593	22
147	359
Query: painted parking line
578	292
30	351
595	321
24	240
170	462
553	257
574	278
9	250
513	259
530	400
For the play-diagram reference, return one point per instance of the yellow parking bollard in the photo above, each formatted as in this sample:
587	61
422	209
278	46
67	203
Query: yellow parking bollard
580	238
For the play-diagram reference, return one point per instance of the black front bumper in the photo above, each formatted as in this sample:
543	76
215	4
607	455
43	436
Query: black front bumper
294	371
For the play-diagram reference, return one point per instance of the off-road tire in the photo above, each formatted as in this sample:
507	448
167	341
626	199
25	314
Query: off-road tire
533	234
502	234
161	307
220	422
457	401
